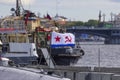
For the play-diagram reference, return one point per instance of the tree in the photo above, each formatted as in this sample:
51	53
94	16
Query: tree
78	23
75	23
91	23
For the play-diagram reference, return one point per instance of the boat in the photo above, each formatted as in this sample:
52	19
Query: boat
61	55
12	73
24	37
15	46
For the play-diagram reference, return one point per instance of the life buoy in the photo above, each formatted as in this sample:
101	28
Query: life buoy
82	51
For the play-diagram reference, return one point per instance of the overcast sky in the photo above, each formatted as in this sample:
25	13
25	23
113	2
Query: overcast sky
82	10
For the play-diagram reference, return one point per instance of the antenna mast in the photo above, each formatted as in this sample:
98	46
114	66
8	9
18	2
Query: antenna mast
57	7
17	7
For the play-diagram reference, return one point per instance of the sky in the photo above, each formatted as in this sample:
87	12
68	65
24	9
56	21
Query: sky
79	10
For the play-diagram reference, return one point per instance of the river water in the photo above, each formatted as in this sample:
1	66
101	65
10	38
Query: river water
100	55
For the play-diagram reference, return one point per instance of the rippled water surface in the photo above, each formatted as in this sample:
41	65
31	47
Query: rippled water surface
100	55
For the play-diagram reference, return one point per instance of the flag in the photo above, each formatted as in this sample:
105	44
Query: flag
61	40
48	16
26	18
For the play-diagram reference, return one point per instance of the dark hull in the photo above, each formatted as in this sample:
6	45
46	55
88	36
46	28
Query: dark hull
23	61
65	60
60	58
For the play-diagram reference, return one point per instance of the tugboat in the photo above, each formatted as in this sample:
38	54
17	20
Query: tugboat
25	27
62	55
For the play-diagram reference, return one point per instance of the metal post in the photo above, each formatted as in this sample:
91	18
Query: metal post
99	59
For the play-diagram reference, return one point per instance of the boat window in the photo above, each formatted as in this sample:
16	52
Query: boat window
5	48
0	48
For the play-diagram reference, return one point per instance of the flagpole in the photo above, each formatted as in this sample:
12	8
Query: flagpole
50	41
51	49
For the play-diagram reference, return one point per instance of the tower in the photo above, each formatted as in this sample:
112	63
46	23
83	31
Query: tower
100	16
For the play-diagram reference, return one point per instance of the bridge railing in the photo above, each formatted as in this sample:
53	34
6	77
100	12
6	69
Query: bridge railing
84	27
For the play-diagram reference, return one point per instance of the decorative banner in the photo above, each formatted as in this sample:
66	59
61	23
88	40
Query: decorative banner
60	39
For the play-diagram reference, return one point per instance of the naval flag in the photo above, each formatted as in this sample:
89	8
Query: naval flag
60	39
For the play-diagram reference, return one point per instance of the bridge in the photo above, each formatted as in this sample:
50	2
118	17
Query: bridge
111	35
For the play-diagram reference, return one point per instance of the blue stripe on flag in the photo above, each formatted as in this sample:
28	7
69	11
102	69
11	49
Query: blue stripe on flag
62	45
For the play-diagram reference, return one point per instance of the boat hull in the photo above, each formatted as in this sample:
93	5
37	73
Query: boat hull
60	57
11	73
65	60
